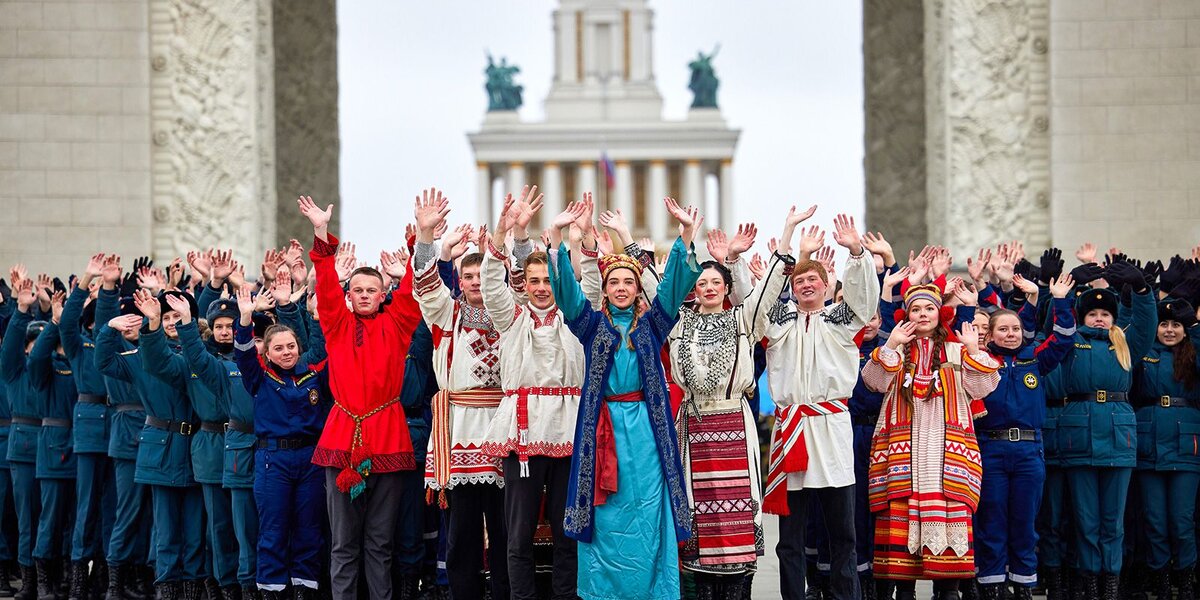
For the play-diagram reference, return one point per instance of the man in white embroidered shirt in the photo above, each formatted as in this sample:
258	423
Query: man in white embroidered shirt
812	365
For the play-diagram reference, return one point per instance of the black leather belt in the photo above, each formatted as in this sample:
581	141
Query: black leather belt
128	407
93	399
1056	402
1100	396
180	427
287	443
1169	401
864	419
1012	434
238	426
5	422
212	426
20	420
53	422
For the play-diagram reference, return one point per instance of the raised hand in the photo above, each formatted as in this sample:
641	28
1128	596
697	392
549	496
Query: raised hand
180	305
742	241
148	305
646	244
685	217
891	280
45	286
201	262
718	244
795	217
264	301
93	269
222	266
430	209
605	242
1086	253
293	251
16	274
614	220
56	306
772	245
824	256
110	272
811	240
175	273
319	218
25	294
1062	286
569	216
941	263
903	333
344	265
281	289
584	220
875	243
270	264
968	335
846	234
393	263
150	279
529	206
976	267
1029	288
238	277
964	293
918	271
125	323
245	304
455	243
758	268
1051	265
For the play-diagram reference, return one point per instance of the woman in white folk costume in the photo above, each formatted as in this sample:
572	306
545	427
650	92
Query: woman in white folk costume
466	362
925	472
712	360
812	363
541	369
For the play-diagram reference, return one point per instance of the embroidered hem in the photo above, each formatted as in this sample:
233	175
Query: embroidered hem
538	448
460	479
380	463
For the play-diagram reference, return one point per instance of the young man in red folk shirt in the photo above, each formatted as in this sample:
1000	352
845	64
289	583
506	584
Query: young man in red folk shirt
365	441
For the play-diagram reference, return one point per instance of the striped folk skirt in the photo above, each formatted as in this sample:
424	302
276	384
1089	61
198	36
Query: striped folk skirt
899	551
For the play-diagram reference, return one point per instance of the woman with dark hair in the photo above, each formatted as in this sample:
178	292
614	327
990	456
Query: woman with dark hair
1168	465
712	360
925	472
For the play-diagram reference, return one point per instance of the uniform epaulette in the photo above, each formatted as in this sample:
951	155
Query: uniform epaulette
128	352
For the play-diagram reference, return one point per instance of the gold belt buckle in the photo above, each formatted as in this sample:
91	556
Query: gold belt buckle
1165	401
1101	396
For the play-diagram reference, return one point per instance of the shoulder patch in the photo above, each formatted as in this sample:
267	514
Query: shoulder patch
129	352
1031	381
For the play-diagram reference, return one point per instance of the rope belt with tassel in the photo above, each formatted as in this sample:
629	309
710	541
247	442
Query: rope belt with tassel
352	479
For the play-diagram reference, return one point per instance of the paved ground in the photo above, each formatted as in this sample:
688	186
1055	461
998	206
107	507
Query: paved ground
766	582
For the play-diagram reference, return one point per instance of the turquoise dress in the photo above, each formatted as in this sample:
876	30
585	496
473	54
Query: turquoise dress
633	549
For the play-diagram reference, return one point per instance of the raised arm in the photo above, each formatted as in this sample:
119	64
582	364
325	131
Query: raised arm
109	347
157	359
682	270
860	285
72	313
756	308
245	354
1051	352
39	360
12	352
208	369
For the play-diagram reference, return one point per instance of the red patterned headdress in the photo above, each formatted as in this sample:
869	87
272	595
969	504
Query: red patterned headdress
610	262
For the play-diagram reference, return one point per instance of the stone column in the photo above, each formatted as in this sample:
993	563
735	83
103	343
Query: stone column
483	192
552	187
693	184
585	180
623	196
725	198
657	213
987	173
210	96
516	178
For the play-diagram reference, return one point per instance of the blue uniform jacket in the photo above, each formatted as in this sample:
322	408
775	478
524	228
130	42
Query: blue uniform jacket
1020	399
1103	434
51	375
164	359
163	458
90	420
127	415
22	398
418	389
1168	437
287	404
6	310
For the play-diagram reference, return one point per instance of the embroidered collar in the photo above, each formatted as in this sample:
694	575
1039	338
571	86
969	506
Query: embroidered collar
547	317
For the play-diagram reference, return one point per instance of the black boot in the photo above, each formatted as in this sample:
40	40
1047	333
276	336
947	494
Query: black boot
812	577
990	591
1087	587
300	592
866	585
903	592
1185	584
78	582
45	584
968	589
141	581
250	592
6	588
1053	583
212	591
1112	586
28	589
167	591
116	583
885	589
97	580
1022	592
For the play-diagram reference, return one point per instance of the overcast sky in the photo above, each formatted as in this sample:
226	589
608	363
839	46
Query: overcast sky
410	78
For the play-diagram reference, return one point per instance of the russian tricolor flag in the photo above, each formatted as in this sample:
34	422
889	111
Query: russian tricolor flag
610	171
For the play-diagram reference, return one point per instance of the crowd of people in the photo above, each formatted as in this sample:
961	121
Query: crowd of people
500	413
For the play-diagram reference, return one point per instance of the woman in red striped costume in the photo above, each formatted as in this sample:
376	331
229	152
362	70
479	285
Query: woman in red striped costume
925	468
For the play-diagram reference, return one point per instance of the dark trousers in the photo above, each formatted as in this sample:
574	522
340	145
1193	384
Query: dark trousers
1168	512
1098	497
362	529
178	533
1054	521
469	504
522	507
289	492
245	529
26	500
6	553
408	556
222	543
838	505
864	520
1005	536
53	518
91	483
133	504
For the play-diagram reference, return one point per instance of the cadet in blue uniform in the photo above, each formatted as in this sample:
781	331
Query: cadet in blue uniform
864	412
7	307
291	399
90	430
207	447
163	460
211	366
1010	442
51	375
128	542
1097	429
1168	426
26	418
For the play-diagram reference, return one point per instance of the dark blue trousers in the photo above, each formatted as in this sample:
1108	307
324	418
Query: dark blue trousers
1098	497
1054	521
1014	474
864	521
5	493
245	529
222	544
126	545
90	486
178	533
408	554
26	502
52	520
290	493
1168	514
